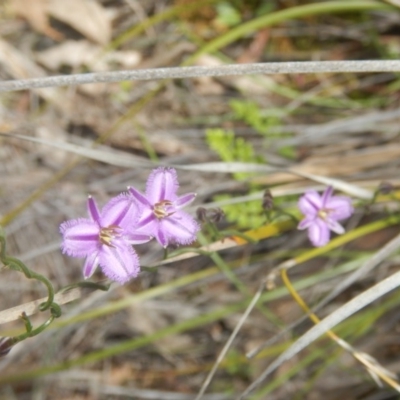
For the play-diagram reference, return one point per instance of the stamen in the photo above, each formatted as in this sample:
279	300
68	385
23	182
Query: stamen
160	209
323	214
108	234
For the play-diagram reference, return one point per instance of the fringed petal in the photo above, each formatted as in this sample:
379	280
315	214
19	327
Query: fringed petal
335	226
137	238
91	263
139	197
305	223
162	185
180	228
120	211
93	210
185	200
319	233
310	203
340	207
80	237
161	236
119	263
327	195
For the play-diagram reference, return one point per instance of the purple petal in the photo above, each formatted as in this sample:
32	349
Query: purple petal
310	203
139	197
162	185
147	222
305	223
91	263
119	263
180	227
120	211
137	238
326	196
335	226
161	236
93	210
339	207
319	233
183	201
80	237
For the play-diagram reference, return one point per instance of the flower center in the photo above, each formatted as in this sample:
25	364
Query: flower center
323	213
108	234
160	209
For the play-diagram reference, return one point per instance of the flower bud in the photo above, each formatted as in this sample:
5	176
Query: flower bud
6	343
201	214
385	188
214	215
267	200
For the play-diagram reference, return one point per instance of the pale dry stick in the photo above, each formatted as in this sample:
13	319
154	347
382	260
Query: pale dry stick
228	344
292	67
12	314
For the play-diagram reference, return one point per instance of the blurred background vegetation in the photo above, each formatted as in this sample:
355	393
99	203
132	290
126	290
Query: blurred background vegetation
158	337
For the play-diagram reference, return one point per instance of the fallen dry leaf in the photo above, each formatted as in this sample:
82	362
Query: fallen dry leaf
35	12
19	66
86	16
83	53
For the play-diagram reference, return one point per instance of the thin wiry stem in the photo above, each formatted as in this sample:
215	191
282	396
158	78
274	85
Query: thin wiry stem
306	67
230	341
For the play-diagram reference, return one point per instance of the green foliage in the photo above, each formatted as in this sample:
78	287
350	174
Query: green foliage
252	115
236	366
245	215
228	15
231	148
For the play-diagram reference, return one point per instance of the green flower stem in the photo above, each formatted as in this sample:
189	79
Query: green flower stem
224	268
55	310
17	265
30	332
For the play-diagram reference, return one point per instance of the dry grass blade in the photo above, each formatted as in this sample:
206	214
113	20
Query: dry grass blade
229	343
351	307
112	157
122	159
366	268
338	184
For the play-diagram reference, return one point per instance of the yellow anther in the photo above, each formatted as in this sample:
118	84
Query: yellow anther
108	234
160	209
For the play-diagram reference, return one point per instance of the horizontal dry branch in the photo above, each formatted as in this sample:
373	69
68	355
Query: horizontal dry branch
32	307
304	67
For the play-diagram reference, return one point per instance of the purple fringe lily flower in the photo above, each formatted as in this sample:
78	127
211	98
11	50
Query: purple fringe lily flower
162	216
105	239
322	213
